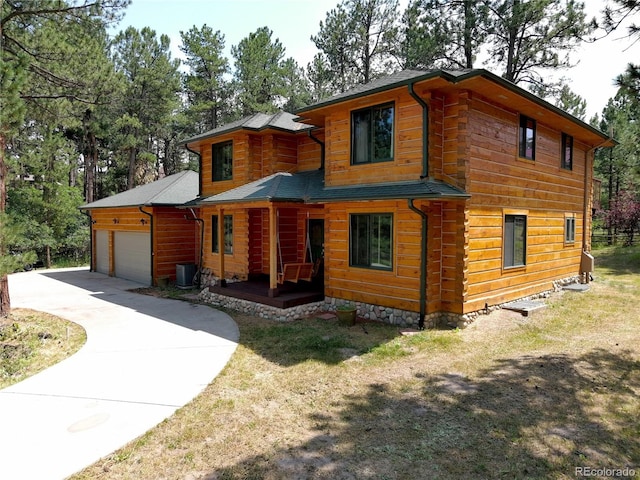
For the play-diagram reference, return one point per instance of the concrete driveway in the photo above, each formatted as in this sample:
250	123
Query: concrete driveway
144	358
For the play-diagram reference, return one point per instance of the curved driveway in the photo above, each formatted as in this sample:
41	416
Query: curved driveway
145	357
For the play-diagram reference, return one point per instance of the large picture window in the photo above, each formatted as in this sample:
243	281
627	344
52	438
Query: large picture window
567	152
371	240
527	138
228	234
515	240
222	158
372	134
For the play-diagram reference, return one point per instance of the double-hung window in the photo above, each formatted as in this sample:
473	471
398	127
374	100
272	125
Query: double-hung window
515	240
527	138
227	234
567	152
222	159
371	240
372	134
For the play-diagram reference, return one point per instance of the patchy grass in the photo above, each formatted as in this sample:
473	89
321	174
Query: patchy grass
508	397
31	341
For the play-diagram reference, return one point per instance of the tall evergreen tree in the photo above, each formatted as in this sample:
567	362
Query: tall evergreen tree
41	60
528	37
258	72
443	33
151	83
205	85
358	41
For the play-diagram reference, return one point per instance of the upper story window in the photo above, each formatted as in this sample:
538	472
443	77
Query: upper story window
527	138
371	240
372	134
567	152
222	159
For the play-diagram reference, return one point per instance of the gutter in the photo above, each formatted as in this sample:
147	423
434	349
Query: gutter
150	239
197	154
423	263
201	222
321	143
425	130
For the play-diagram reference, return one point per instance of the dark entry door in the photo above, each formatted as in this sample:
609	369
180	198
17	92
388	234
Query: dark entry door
316	238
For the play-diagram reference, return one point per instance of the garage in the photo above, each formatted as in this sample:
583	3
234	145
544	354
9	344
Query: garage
123	226
132	256
102	251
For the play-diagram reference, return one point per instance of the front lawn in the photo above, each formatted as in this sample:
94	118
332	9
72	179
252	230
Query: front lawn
509	397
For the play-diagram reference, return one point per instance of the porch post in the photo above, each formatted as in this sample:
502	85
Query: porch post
223	281
273	251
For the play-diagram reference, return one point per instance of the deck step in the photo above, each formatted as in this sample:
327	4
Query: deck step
525	307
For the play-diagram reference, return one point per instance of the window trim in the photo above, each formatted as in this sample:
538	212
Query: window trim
523	127
216	147
570	228
563	153
370	143
514	265
371	266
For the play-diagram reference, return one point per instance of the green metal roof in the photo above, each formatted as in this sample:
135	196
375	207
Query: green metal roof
173	190
308	187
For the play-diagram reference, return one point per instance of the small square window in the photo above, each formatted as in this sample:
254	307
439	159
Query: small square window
222	159
515	240
567	152
527	138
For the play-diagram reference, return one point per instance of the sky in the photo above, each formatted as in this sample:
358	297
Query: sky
294	21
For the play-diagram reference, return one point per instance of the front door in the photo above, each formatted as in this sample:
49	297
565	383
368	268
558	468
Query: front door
316	246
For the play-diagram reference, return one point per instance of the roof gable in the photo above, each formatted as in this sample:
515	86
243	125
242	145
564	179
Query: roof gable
281	120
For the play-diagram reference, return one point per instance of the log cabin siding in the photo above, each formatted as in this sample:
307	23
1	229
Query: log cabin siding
309	152
398	288
175	240
407	140
500	182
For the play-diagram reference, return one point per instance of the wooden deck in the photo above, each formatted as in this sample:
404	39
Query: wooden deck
257	290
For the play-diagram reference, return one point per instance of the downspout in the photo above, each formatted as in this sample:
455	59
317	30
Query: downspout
88	214
425	131
424	218
197	154
201	222
321	143
150	239
423	263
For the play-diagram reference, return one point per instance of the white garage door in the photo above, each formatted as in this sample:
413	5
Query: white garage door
102	251
132	253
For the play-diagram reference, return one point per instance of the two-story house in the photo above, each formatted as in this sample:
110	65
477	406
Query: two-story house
422	196
428	195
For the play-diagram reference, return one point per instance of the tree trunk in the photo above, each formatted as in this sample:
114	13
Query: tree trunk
5	299
132	169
